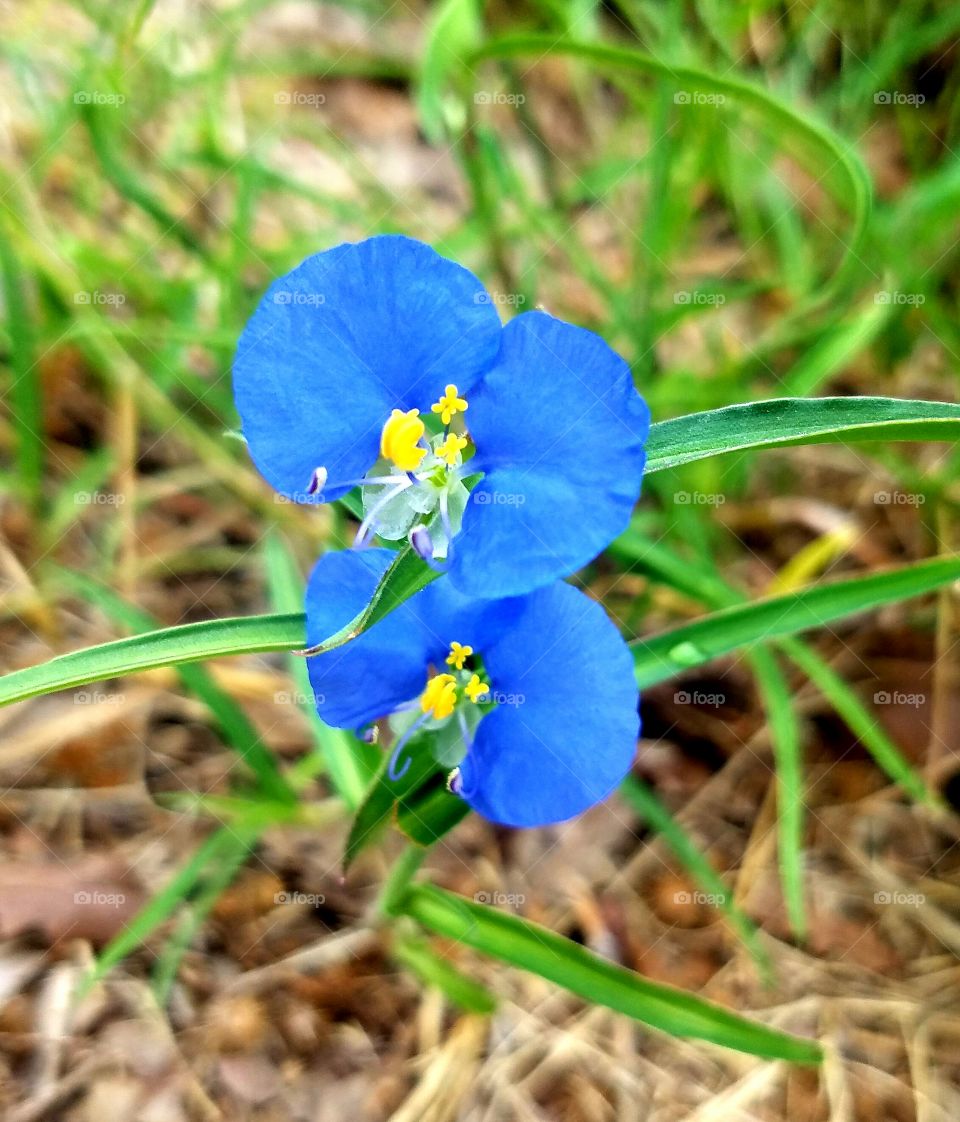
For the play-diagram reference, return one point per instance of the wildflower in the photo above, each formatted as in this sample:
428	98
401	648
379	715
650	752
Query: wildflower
515	452
530	700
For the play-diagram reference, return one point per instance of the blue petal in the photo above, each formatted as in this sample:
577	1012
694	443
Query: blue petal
559	430
372	675
347	336
565	728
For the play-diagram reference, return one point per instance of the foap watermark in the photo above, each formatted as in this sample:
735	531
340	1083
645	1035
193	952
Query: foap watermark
899	498
685	296
98	97
308	299
114	299
699	498
698	97
700	697
98	899
899	697
512	700
98	498
296	697
97	697
299	97
314	899
498	498
911	299
898	97
903	899
500	899
712	899
498	97
514	299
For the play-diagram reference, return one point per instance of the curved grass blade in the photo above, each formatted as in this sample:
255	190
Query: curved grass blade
855	193
671	652
786	421
559	960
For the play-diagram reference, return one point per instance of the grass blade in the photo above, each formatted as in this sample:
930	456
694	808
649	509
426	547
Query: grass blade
782	422
671	652
597	980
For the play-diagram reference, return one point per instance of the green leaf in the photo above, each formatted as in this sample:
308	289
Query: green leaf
542	952
384	796
787	421
193	642
431	811
408	574
671	652
172	646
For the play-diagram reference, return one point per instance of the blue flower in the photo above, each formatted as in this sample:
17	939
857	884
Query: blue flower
532	698
512	454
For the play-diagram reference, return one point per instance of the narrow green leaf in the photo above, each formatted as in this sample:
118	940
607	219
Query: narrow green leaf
383	798
172	646
543	952
671	652
786	421
193	642
407	575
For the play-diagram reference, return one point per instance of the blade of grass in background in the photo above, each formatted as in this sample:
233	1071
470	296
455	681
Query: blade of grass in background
26	397
785	738
643	800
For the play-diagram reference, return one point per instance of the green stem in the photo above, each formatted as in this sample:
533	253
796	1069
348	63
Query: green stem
398	881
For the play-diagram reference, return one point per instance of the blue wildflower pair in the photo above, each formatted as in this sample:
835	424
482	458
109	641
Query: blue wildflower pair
508	456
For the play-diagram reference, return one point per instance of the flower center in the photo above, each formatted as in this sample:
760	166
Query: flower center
444	691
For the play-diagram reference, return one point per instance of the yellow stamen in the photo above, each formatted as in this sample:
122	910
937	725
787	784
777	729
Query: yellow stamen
451	448
458	655
398	441
440	696
475	689
449	404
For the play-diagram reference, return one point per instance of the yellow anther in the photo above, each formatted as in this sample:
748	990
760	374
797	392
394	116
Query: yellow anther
398	441
458	655
475	689
440	696
449	404
451	448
